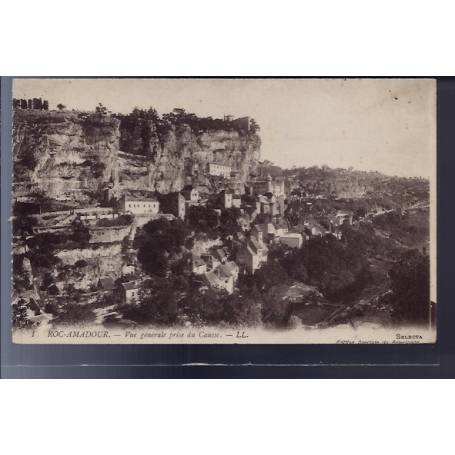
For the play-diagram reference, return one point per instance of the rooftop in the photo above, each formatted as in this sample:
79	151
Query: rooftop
294	235
148	196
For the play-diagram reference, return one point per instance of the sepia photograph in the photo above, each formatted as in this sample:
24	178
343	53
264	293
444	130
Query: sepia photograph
227	219
223	210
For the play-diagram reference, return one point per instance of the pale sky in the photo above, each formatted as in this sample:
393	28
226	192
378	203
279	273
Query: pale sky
388	125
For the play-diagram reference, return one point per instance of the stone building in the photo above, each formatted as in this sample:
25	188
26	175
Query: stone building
190	193
139	205
223	277
219	170
225	199
268	185
236	201
291	239
253	252
130	292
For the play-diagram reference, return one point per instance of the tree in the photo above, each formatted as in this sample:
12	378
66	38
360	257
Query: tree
20	317
228	221
410	284
43	260
202	219
158	305
81	263
270	274
61	107
262	218
254	126
73	314
48	279
205	307
334	267
53	290
23	225
45	105
293	262
101	109
158	242
51	308
276	310
241	310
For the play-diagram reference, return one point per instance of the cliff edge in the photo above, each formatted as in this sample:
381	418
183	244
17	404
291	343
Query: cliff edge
71	156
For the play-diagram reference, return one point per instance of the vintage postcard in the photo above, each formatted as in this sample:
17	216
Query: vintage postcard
223	211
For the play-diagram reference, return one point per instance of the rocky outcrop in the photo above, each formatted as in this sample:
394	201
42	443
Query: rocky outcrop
102	260
181	157
72	156
63	155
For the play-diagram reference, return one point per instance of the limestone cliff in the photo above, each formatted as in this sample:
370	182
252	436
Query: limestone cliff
63	155
72	156
181	156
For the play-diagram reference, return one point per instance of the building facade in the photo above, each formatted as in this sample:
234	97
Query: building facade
190	193
219	170
226	199
268	185
291	239
139	206
130	292
253	252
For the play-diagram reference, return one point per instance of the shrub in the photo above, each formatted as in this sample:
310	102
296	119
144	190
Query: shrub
81	263
74	313
20	318
411	288
51	308
53	290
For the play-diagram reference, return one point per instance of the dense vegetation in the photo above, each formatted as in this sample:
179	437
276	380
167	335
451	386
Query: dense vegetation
166	239
340	271
180	300
410	284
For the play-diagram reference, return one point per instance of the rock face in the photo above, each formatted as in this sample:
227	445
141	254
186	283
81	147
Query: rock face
63	155
181	157
105	260
72	156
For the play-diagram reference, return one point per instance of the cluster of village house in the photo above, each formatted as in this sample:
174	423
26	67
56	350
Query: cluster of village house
211	260
264	196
